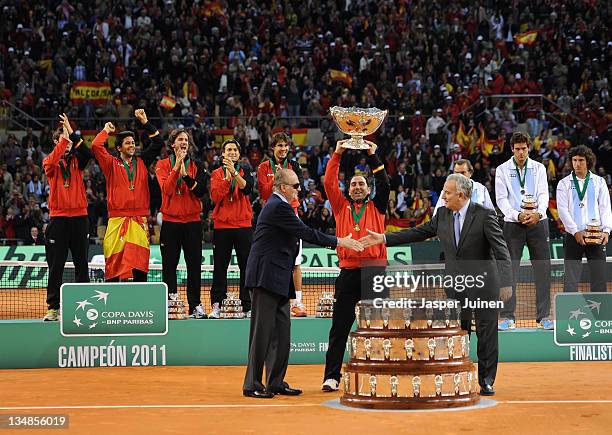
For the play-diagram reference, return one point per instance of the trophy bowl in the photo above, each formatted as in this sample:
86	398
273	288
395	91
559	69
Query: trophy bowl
357	123
593	234
529	203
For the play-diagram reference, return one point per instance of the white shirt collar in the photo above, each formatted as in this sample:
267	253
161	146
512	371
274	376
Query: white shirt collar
281	197
463	210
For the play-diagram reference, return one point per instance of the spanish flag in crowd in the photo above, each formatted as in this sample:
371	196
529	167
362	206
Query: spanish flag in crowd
167	102
486	145
467	141
526	38
341	76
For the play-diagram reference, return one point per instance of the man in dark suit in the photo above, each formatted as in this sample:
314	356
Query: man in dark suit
269	276
474	246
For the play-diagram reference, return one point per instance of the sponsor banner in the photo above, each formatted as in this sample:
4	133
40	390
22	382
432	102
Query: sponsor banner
583	318
97	92
113	309
37	344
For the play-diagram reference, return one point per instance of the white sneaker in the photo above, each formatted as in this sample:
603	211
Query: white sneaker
330	385
248	314
198	313
216	311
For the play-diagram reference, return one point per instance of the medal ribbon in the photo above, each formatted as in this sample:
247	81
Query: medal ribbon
233	183
65	168
130	174
357	216
274	166
582	192
518	173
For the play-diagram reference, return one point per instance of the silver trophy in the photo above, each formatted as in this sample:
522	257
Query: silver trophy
394	382
347	382
373	385
386	314
176	307
409	346
367	344
407	316
593	234
357	123
431	344
387	348
231	307
354	345
451	347
438	382
463	345
325	307
457	381
416	386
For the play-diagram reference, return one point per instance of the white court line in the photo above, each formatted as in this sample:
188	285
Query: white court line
271	405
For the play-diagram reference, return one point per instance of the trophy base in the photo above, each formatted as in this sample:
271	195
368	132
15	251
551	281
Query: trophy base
356	143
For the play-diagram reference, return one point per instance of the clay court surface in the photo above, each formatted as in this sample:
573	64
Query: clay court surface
538	398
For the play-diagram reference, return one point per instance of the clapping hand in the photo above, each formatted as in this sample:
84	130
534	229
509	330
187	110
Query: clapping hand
180	158
229	166
372	239
349	243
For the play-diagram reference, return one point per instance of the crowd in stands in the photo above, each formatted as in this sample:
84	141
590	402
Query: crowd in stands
256	66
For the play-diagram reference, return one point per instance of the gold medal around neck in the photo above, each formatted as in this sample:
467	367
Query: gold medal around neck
581	204
357	228
131	187
66	184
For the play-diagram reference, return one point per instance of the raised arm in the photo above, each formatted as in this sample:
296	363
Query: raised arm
330	182
156	143
104	158
380	179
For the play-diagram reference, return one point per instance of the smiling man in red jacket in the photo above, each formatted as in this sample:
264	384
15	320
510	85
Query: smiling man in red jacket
182	182
68	228
126	242
230	186
354	215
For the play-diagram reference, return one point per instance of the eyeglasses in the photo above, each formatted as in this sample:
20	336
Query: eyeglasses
296	186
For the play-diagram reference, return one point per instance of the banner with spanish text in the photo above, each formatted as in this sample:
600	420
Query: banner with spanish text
97	92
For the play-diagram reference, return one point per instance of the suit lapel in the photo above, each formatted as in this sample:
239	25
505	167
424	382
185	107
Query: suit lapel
469	218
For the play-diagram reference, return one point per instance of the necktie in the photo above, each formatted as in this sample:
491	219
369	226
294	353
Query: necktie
456	215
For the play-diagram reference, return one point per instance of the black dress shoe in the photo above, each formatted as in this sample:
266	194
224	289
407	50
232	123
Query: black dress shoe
487	390
258	394
287	391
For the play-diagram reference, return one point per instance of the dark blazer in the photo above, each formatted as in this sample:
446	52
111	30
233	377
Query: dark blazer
481	251
275	246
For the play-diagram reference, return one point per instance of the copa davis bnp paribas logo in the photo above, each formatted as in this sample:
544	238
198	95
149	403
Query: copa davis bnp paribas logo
114	309
583	318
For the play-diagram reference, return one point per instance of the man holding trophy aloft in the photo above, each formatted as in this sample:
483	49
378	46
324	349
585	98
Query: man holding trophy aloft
583	201
354	216
521	189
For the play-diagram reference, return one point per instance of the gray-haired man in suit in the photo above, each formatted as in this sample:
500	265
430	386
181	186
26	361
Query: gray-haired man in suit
473	246
269	276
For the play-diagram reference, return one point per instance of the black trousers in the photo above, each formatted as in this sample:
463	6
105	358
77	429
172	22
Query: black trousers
350	288
596	259
224	240
66	234
187	236
269	341
488	346
536	238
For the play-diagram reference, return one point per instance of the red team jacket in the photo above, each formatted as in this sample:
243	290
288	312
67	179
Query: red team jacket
234	213
372	219
180	203
65	201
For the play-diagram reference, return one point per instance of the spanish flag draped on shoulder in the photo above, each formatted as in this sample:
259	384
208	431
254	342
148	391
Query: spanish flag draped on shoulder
526	38
341	76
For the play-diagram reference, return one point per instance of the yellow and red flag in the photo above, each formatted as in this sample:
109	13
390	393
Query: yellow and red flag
526	38
341	76
167	102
